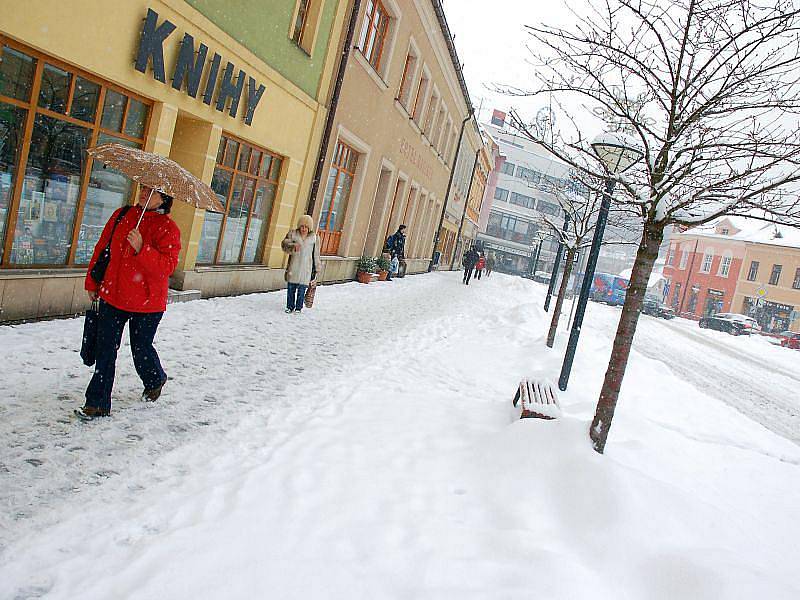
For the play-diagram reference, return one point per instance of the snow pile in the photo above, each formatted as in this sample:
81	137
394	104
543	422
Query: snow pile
362	450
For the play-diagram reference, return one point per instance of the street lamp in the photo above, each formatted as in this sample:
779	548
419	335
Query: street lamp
541	235
618	152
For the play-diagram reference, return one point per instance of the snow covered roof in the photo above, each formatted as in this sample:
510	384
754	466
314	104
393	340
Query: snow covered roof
749	230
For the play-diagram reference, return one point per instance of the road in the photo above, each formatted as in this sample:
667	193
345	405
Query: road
739	371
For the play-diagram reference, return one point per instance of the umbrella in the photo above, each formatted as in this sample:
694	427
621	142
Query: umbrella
158	173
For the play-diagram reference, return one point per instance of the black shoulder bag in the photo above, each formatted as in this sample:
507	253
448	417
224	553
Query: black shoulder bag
101	264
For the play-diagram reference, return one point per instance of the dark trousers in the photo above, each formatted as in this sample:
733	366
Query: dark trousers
295	296
467	274
142	330
478	273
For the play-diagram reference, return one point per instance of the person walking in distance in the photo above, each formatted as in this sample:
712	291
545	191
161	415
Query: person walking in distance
479	266
489	264
304	262
133	289
469	261
396	246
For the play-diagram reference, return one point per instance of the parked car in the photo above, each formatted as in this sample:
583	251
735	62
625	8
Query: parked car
790	339
609	288
655	308
724	322
749	322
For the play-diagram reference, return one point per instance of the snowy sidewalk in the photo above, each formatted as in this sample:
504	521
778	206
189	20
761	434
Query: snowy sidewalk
363	450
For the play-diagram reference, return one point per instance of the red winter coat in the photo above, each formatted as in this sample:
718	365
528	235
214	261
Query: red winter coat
138	282
481	263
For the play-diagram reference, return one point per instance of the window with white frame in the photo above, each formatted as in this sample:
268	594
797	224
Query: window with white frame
708	259
375	34
417	110
670	255
725	264
433	106
407	79
684	259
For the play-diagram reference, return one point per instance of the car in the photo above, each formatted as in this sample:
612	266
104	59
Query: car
610	289
790	339
653	306
723	322
749	322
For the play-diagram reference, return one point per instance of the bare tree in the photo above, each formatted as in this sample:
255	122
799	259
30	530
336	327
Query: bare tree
709	92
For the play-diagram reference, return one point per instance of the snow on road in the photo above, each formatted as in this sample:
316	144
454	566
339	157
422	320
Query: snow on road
758	378
364	450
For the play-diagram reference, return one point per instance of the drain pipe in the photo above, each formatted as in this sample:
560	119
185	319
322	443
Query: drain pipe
449	185
337	89
466	201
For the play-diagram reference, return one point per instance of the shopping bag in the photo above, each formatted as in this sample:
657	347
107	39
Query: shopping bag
90	329
309	299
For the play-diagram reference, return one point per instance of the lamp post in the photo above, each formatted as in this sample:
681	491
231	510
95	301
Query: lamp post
617	152
540	235
556	265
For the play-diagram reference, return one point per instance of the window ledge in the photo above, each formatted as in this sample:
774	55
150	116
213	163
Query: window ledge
297	45
35	273
374	75
219	268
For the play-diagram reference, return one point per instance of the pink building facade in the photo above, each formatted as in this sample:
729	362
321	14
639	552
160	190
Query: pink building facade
702	269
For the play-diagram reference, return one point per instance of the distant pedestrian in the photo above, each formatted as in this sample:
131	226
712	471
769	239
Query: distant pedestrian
489	264
133	289
469	261
304	262
479	266
396	247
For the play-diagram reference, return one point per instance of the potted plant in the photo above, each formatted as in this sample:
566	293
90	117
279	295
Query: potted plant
384	264
365	267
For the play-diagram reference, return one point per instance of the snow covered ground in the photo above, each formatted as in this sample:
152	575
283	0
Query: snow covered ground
364	449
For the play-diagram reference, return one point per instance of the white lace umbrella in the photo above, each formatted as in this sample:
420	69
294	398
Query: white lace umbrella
158	173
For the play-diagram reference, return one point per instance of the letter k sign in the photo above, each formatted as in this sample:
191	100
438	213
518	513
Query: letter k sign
152	45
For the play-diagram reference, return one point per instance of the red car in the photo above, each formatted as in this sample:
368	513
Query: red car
790	339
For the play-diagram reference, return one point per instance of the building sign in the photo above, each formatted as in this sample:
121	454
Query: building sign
761	292
717	293
414	157
190	66
506	249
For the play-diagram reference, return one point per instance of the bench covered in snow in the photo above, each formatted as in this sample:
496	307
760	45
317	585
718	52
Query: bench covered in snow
536	398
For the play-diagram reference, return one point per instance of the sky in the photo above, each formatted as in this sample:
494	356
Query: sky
493	46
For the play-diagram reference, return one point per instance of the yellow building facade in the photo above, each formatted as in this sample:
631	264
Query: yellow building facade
163	76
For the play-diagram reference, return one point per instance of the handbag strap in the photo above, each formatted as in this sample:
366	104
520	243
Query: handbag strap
121	214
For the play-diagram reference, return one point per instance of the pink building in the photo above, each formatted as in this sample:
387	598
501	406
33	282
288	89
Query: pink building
702	269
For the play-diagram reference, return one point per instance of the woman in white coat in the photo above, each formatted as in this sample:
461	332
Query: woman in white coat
303	249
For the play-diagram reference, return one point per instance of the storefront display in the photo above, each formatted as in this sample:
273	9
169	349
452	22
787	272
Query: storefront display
42	200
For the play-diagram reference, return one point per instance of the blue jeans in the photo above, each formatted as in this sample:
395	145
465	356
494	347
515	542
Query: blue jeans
295	296
142	330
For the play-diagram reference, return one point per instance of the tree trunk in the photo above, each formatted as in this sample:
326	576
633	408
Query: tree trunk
562	290
642	268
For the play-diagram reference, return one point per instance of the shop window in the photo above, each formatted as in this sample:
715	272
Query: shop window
374	33
245	181
54	215
753	272
775	276
337	195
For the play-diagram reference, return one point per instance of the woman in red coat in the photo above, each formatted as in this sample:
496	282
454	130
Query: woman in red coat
479	266
133	289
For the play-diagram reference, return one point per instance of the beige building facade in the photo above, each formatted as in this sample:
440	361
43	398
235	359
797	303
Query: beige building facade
392	143
769	285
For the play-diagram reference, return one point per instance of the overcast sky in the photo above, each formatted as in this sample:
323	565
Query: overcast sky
492	44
